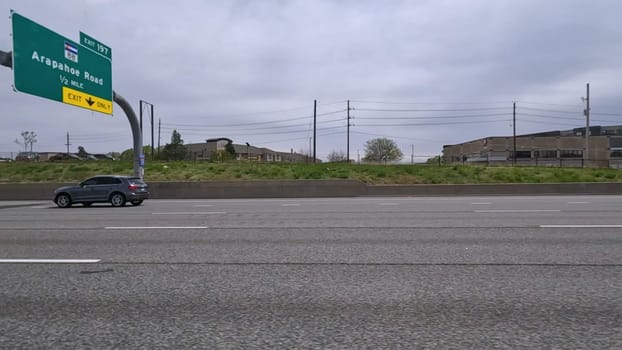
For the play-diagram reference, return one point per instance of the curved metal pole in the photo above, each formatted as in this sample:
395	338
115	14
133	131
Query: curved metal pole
137	134
6	59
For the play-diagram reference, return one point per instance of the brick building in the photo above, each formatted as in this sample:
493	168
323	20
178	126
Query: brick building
211	148
554	148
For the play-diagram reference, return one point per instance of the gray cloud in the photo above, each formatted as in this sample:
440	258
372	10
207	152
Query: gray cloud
206	63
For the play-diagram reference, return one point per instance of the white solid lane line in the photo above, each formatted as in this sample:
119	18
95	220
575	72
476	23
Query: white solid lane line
581	226
49	261
153	227
192	213
481	203
578	202
518	211
388	204
291	205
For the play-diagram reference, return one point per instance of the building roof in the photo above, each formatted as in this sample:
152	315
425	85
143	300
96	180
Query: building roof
219	139
595	130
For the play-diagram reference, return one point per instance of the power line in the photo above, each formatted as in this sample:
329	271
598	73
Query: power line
193	132
438	117
252	123
547	116
527	120
432	110
298	138
220	130
608	114
397	137
430	103
438	123
548	104
550	110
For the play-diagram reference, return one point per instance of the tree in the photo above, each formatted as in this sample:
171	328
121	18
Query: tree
115	155
230	149
82	152
436	160
382	150
176	149
337	156
127	155
29	138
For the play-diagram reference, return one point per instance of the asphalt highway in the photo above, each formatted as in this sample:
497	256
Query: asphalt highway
397	272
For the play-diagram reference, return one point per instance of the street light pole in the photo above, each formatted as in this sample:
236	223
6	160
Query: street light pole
141	103
514	133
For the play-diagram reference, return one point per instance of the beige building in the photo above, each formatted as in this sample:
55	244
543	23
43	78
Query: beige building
211	147
555	148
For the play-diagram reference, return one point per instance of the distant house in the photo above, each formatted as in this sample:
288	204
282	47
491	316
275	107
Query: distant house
211	147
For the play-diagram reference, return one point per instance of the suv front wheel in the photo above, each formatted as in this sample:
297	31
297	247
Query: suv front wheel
117	200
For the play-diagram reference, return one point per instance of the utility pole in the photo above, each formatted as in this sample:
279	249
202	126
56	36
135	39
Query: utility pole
412	154
587	126
348	146
159	130
152	144
514	127
314	128
67	144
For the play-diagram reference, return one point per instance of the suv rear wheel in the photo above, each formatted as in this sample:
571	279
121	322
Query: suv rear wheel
63	200
117	200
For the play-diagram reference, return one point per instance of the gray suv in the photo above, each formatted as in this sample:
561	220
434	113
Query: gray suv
117	190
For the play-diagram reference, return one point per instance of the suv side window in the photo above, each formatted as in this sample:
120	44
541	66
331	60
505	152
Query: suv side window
90	182
109	181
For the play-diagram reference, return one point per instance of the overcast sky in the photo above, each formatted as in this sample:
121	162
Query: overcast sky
423	73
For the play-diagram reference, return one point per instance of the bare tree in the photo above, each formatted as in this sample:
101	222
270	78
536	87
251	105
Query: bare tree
337	156
29	139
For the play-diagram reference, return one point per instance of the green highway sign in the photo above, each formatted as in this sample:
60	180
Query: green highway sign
95	45
51	66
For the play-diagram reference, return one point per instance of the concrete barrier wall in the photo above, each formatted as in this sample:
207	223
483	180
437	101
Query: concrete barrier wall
495	189
211	189
258	189
320	188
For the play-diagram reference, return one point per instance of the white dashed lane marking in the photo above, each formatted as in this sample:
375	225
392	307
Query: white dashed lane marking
49	261
192	213
155	227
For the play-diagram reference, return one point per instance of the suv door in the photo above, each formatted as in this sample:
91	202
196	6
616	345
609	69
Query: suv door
86	191
105	186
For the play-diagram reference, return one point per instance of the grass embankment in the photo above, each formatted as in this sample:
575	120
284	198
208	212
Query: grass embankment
371	174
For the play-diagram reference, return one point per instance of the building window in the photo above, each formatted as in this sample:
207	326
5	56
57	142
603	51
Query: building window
616	154
615	142
571	153
545	154
523	154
